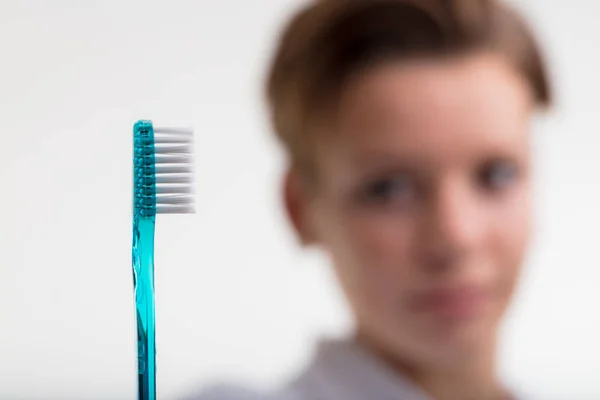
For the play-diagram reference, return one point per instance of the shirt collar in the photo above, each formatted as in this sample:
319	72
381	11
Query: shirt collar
343	370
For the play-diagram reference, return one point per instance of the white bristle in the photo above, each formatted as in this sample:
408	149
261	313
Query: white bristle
175	210
174	169
173	178
174	149
173	159
173	131
175	189
169	139
174	199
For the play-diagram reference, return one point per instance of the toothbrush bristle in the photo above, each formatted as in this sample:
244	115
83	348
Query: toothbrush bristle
163	170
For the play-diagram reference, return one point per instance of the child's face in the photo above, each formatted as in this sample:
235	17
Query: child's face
423	202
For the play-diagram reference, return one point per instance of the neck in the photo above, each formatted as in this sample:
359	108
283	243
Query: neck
470	378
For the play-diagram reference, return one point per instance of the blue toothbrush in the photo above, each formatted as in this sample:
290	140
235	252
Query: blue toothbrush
162	184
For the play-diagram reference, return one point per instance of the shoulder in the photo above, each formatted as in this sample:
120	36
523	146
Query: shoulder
236	392
227	392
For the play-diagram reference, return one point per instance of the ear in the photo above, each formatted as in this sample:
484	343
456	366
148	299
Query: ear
297	201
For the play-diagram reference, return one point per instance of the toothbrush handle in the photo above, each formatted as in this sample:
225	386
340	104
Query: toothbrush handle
143	283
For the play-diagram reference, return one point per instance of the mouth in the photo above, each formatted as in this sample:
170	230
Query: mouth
453	303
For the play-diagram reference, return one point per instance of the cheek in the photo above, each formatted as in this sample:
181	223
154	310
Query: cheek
374	254
510	241
383	242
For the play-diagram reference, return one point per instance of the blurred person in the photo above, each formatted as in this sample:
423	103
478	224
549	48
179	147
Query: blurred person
407	130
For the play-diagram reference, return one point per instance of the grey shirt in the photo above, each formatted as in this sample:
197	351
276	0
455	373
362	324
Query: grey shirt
340	370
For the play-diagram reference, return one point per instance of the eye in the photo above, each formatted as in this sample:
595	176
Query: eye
389	189
498	175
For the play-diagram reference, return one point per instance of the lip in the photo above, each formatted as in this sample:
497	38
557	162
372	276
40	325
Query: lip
459	302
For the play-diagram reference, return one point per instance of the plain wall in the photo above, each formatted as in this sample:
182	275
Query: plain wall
236	297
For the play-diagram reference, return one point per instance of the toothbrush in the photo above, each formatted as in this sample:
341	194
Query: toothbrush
162	184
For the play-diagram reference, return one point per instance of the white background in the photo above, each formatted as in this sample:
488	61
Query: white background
236	298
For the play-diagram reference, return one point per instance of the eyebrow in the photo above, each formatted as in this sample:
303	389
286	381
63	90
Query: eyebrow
384	157
387	161
398	162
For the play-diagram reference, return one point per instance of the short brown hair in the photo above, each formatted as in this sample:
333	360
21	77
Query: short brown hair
329	40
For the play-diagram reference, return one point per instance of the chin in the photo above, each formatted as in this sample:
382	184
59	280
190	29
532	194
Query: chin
442	341
457	342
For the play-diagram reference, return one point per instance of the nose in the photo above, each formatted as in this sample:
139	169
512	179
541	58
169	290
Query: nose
454	224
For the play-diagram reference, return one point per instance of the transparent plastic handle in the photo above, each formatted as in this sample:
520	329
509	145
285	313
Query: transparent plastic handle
143	284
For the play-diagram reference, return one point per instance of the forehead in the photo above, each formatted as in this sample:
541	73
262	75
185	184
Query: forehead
434	105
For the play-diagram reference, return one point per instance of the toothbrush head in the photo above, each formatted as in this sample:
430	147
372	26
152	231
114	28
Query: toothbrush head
163	170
